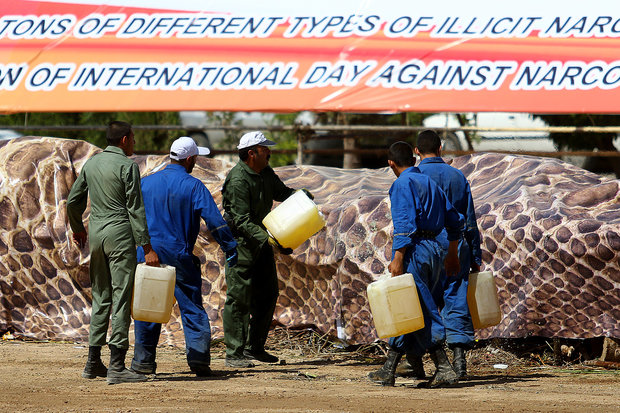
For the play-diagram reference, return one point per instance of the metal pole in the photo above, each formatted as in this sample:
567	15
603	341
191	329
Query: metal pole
300	147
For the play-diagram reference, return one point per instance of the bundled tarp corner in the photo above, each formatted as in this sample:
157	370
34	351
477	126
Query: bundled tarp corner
363	56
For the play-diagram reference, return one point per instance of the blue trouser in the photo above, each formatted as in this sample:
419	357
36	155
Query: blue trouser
425	261
455	312
188	293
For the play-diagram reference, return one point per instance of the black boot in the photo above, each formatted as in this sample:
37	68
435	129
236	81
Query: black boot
94	366
260	356
117	373
417	366
199	362
444	373
385	375
459	362
143	361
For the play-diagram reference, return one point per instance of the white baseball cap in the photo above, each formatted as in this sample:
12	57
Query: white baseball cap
254	138
184	147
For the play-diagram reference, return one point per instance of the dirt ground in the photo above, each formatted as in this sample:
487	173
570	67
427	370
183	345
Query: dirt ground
45	377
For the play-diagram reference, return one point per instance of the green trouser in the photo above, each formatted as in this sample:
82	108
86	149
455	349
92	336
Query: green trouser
112	271
252	291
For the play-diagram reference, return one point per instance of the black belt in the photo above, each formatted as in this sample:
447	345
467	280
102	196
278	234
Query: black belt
424	234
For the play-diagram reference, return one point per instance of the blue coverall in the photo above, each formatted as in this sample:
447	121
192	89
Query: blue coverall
455	312
174	202
420	211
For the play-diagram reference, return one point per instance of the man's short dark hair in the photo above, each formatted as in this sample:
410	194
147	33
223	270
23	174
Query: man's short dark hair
401	154
428	142
116	130
245	152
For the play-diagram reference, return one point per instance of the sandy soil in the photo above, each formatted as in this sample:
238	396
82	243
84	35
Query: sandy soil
36	376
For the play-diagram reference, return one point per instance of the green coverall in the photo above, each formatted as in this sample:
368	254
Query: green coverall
117	224
252	284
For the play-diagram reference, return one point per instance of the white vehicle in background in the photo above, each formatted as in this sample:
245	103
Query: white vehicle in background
202	127
195	122
509	141
6	134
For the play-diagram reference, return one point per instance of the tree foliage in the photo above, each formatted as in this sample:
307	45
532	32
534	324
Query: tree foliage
587	141
146	140
583	140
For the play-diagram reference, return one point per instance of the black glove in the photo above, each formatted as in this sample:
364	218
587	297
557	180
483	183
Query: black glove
308	193
232	258
275	244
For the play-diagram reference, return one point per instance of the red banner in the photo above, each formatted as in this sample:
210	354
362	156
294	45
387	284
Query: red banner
362	56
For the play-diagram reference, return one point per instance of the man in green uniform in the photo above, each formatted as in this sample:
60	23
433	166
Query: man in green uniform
252	285
117	225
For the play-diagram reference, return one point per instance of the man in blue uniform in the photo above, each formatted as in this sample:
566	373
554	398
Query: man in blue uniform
455	312
420	211
174	202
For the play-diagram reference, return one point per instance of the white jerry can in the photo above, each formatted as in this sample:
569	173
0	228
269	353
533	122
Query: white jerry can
482	300
153	293
295	220
395	305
